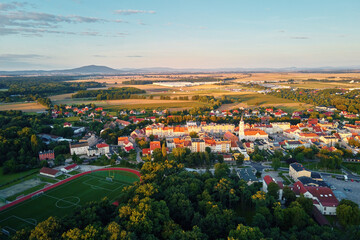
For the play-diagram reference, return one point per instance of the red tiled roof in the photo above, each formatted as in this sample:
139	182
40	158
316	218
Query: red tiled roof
101	145
146	151
49	171
268	179
325	195
70	166
154	145
128	148
299	188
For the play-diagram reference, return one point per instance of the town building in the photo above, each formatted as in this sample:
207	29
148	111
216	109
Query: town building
247	175
46	155
70	168
323	197
297	170
49	172
267	180
79	148
250	134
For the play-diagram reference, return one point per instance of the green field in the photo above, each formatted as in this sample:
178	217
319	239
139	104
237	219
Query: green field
5	178
163	105
260	99
65	198
352	166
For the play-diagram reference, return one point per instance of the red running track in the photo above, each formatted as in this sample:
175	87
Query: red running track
137	173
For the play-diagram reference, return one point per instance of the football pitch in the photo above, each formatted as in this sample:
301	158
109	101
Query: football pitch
65	198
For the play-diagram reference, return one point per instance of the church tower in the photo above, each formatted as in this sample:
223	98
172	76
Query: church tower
241	129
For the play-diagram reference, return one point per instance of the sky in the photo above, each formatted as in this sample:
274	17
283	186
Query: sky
60	34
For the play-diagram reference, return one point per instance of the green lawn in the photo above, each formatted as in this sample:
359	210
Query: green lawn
27	191
74	172
259	99
354	167
315	166
65	198
5	178
150	106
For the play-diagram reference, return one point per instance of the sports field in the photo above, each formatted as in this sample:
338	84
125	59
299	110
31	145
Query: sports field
66	197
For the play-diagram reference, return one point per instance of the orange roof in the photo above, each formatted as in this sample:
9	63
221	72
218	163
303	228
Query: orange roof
122	139
252	132
309	135
154	145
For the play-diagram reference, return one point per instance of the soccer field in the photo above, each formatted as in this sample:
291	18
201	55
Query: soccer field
63	199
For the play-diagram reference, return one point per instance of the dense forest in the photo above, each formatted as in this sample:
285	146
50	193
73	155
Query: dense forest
171	203
19	143
109	94
191	80
31	88
346	101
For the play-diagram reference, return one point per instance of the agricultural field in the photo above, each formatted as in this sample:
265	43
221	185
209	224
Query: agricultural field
354	167
25	107
64	199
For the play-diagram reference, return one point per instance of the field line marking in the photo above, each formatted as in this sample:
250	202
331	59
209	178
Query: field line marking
59	199
33	199
22	219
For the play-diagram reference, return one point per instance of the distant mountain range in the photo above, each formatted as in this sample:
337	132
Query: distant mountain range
103	70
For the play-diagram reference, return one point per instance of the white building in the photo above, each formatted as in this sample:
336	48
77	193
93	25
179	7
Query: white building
79	148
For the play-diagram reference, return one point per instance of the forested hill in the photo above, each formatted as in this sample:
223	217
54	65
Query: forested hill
342	100
171	203
30	88
109	94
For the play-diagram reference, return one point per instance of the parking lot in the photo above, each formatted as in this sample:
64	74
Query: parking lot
352	194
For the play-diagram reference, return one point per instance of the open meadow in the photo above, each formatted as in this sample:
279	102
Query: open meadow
25	107
66	198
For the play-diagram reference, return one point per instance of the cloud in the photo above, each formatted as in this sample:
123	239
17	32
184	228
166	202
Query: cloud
17	57
129	12
11	6
299	37
134	56
120	21
37	23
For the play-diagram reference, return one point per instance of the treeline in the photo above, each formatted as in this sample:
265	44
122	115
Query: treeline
109	94
19	145
24	88
328	97
171	203
137	82
191	80
19	141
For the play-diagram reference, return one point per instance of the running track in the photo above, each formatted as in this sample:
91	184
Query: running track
64	181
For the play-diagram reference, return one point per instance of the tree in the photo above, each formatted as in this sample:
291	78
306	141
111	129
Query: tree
221	170
240	159
59	160
46	230
348	213
289	195
157	155
306	204
275	163
245	233
273	190
163	151
194	135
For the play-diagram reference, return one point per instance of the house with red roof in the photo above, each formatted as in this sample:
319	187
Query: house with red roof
70	168
103	148
146	152
267	180
323	197
154	145
49	172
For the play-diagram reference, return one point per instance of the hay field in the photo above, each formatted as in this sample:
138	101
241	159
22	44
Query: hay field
25	107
